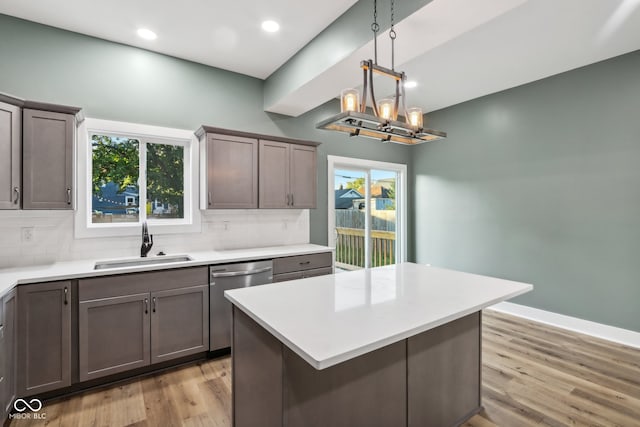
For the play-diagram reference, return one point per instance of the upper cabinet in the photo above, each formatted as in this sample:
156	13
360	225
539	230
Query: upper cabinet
48	139
240	170
230	172
36	154
10	155
287	175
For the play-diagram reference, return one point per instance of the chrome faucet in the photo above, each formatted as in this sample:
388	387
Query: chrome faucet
147	240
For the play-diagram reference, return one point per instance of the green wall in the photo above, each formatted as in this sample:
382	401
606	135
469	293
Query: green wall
117	82
541	183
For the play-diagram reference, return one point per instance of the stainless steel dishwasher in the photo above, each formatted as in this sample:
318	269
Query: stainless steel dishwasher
225	277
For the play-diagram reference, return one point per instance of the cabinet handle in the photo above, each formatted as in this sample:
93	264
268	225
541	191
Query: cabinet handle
291	199
209	198
66	294
146	306
153	301
305	263
16	191
68	196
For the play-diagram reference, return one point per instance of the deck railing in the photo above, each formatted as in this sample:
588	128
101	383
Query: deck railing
350	248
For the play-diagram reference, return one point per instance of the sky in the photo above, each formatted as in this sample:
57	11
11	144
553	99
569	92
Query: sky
342	176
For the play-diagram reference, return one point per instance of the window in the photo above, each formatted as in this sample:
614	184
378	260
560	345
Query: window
134	173
367	212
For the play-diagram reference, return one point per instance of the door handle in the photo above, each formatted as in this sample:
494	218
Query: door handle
146	306
68	196
240	273
153	304
66	295
16	191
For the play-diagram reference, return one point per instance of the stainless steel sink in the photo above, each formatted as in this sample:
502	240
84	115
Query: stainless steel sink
135	262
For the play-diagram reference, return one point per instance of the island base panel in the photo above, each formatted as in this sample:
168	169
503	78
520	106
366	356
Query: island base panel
369	390
257	374
431	379
443	373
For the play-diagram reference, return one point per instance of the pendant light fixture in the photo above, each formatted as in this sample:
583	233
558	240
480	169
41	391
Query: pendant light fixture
383	124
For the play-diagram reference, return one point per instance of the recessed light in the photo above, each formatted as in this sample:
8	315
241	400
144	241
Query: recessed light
147	34
410	84
270	26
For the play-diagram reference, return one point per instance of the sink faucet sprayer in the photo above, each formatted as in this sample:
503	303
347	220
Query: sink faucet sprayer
147	240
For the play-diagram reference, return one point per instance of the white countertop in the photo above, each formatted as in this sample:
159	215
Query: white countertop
330	319
10	277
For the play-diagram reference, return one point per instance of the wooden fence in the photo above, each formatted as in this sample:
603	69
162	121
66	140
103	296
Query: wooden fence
350	248
380	220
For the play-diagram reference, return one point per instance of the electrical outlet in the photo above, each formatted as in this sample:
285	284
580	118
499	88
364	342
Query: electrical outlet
226	225
28	234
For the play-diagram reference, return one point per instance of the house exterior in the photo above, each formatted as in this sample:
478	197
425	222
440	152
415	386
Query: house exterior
111	201
344	198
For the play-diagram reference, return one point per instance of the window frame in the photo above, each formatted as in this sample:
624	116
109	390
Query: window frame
145	134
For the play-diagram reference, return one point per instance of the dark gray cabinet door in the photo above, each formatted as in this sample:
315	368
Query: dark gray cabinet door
114	335
9	306
303	177
10	155
274	175
47	160
179	322
232	172
44	337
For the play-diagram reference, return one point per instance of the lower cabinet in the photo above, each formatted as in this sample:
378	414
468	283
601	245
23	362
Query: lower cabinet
44	337
302	266
114	335
135	320
8	351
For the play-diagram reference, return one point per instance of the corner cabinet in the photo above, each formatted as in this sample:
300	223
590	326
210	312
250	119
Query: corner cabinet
48	139
44	337
240	170
10	155
135	320
287	175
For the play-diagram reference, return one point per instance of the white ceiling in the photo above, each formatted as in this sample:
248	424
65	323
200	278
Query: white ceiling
456	50
223	34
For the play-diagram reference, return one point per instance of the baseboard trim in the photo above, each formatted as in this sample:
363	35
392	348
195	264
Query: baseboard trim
598	330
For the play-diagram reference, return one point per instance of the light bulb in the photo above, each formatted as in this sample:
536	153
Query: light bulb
414	117
385	109
350	100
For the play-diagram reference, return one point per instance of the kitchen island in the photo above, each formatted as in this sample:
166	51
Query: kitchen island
391	346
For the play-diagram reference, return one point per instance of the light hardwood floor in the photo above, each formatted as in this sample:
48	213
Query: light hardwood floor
533	375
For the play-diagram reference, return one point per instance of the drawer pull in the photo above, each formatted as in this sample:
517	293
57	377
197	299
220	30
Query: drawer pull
305	263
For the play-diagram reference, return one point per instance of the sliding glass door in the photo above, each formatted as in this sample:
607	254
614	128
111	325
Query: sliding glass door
366	212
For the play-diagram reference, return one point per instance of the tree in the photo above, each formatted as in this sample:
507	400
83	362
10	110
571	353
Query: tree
114	160
165	174
117	159
356	183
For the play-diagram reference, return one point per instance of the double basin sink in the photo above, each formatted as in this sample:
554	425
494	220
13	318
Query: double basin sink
135	262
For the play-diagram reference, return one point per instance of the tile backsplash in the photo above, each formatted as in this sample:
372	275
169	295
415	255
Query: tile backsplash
52	236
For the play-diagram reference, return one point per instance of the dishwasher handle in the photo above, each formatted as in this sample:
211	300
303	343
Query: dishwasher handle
240	273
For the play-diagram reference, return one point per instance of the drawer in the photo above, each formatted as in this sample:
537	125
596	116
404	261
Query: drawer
283	277
318	272
135	283
302	262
